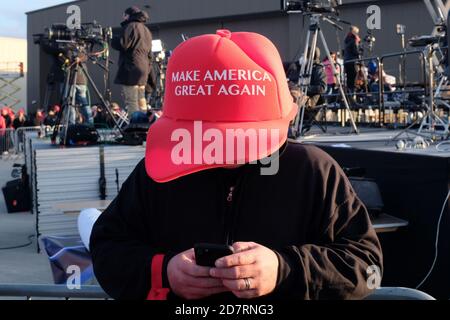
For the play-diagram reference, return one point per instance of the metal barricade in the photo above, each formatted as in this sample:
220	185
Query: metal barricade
20	137
6	141
378	97
423	81
29	292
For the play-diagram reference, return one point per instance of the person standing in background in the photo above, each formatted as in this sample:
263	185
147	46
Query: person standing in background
331	77
21	120
2	124
8	116
351	53
135	46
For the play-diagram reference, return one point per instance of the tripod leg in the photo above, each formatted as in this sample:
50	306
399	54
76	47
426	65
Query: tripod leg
305	75
66	101
298	119
406	130
302	119
68	113
47	97
105	104
341	89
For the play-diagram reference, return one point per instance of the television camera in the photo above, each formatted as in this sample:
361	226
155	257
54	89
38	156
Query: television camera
91	32
311	6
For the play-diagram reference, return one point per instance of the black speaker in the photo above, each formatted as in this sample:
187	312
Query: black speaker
17	196
369	193
82	134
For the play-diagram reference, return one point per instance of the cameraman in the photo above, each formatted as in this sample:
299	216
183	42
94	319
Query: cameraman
351	53
316	89
318	83
135	47
60	53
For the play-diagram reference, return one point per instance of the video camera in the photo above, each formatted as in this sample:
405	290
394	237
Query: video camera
311	6
87	33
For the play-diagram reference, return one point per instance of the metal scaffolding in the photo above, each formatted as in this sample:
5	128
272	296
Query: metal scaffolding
10	73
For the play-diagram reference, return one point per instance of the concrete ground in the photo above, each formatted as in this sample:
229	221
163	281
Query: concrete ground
22	265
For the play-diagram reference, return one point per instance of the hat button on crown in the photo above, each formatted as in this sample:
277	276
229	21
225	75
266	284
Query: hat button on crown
224	33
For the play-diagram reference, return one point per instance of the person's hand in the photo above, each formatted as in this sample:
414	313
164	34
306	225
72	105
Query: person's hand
250	272
190	281
296	93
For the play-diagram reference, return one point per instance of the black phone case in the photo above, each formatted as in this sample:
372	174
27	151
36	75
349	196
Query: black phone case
206	255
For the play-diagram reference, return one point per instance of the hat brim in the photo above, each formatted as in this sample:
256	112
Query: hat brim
161	167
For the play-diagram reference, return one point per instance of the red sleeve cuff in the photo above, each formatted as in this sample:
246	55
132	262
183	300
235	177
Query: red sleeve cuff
157	291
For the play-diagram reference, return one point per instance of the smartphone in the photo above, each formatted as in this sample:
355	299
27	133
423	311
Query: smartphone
207	254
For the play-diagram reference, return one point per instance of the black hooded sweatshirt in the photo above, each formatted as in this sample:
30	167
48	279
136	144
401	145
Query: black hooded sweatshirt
135	46
307	213
351	51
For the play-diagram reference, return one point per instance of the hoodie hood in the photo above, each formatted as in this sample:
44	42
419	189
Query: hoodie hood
141	16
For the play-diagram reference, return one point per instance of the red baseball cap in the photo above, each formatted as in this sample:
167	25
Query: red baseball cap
223	92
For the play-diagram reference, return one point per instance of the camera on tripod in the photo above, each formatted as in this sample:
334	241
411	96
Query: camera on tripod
90	32
311	6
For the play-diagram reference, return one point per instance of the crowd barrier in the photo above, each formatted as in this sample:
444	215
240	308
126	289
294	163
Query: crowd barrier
7	139
30	292
12	141
96	292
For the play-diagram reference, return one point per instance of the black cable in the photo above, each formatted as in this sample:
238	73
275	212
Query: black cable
29	243
436	243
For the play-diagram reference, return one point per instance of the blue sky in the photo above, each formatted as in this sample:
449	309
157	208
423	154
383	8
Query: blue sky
13	21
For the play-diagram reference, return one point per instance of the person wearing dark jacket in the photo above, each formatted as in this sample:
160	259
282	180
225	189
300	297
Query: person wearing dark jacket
351	52
21	120
318	83
135	46
8	115
51	119
316	89
297	228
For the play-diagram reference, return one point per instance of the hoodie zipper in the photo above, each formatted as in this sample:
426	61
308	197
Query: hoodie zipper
229	216
231	209
230	195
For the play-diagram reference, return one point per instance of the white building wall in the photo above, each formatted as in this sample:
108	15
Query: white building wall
14	50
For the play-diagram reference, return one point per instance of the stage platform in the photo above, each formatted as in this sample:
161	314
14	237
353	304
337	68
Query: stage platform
414	184
374	139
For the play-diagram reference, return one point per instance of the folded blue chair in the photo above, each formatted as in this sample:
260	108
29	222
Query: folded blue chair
66	252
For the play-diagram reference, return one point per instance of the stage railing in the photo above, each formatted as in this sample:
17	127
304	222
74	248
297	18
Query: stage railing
423	80
29	292
13	140
378	97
